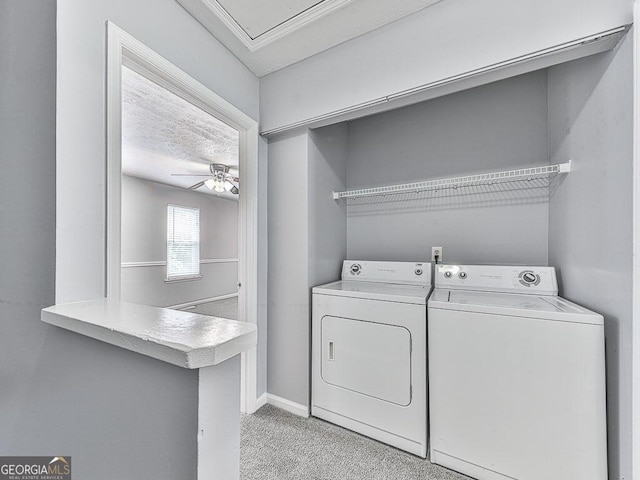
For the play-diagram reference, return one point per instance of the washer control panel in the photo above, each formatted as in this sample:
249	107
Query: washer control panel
404	273
498	278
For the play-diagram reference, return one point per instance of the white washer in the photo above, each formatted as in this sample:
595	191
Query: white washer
369	355
516	377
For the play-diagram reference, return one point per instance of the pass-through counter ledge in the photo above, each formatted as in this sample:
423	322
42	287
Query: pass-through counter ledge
188	340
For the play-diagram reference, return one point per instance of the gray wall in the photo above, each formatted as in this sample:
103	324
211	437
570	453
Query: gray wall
307	243
288	294
500	126
262	265
63	393
327	218
327	172
590	220
144	239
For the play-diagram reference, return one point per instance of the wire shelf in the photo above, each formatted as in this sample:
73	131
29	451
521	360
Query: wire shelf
453	183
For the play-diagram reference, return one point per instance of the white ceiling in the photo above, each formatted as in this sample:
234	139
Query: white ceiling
257	18
163	134
269	35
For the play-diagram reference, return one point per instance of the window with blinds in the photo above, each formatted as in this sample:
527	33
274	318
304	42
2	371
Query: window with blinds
183	242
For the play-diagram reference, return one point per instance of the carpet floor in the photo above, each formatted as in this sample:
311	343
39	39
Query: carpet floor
277	445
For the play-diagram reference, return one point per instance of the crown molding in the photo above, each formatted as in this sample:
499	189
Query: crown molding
294	23
312	31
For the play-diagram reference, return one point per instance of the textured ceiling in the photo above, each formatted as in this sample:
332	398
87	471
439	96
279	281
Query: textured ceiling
163	134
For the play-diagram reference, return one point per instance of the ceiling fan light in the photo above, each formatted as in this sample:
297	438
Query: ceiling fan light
228	185
210	183
218	185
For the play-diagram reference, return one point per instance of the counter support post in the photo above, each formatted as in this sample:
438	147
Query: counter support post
219	421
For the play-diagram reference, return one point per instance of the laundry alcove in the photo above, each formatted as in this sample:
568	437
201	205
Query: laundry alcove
574	111
499	126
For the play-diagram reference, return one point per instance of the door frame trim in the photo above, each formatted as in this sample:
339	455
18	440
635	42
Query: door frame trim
635	323
124	49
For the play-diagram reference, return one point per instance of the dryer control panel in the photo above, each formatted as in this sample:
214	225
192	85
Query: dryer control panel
498	278
403	273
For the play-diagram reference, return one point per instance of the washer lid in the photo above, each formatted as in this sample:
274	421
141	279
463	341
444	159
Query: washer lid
543	307
416	294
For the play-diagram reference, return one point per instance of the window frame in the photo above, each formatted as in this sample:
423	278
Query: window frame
189	276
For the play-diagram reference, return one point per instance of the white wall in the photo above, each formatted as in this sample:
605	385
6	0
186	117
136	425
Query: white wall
448	38
144	240
590	225
500	126
288	294
174	34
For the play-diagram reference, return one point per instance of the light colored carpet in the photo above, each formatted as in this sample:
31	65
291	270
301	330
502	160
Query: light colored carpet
227	308
277	445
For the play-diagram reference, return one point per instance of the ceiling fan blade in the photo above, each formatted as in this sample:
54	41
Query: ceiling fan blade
189	175
232	188
196	185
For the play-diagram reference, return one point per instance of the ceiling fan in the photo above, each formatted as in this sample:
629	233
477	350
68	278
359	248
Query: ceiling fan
220	180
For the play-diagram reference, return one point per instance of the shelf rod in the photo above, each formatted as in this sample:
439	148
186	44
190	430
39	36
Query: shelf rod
520	174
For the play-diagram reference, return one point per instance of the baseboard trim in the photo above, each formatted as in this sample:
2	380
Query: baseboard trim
193	303
261	401
288	405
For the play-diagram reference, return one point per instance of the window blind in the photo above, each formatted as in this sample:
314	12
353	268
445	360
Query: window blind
183	242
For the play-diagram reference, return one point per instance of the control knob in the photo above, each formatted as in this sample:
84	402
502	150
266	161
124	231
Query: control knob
529	278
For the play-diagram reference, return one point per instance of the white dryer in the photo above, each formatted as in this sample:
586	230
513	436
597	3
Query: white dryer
369	351
516	377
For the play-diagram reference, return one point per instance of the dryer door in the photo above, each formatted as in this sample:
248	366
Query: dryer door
366	357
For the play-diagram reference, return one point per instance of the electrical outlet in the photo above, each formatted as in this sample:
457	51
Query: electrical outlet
436	252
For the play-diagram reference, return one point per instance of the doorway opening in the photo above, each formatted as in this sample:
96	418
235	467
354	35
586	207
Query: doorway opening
179	208
221	154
